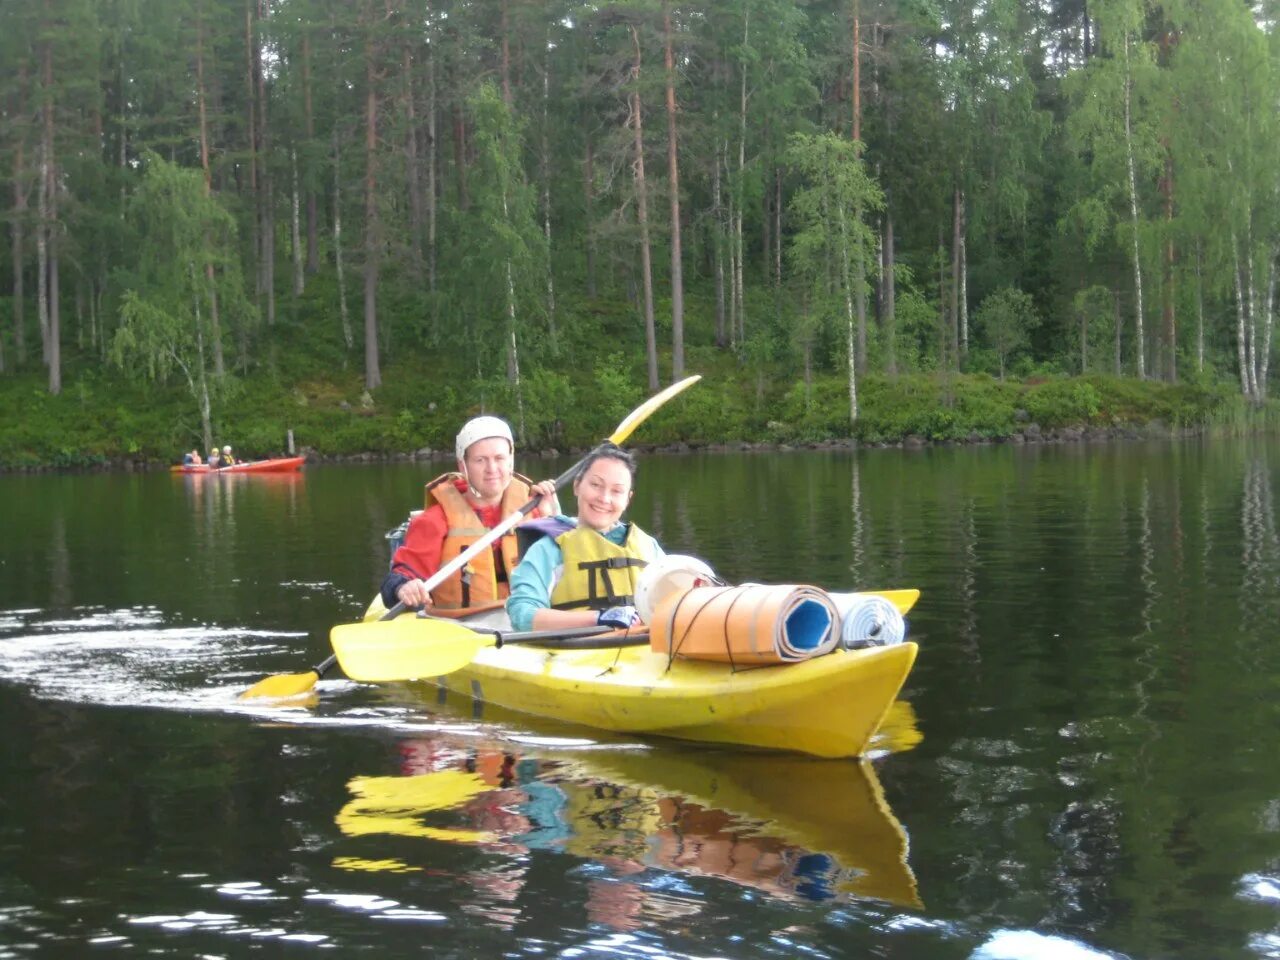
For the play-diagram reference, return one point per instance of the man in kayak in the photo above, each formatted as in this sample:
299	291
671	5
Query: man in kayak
586	572
192	459
227	459
460	507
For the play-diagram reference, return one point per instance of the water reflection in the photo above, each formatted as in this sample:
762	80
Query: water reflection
788	827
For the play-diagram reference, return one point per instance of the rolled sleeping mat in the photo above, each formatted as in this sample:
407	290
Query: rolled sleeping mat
748	624
868	620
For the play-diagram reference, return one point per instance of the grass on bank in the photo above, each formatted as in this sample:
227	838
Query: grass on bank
103	417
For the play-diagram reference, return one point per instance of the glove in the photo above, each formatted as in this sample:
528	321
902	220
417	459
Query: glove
618	617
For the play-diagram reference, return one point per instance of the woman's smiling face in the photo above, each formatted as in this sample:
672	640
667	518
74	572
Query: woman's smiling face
603	493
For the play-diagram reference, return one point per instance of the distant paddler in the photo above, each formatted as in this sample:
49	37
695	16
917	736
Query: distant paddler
460	507
192	458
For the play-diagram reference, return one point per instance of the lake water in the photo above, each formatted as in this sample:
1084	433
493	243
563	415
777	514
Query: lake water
1083	764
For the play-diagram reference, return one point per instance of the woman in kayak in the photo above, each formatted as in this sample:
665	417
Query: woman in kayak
585	573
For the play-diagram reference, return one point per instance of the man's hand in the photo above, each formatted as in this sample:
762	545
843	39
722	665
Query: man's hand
549	503
413	593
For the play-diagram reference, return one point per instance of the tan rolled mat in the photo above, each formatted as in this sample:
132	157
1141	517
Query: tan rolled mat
749	624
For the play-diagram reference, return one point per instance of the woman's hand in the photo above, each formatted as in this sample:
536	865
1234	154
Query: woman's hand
622	617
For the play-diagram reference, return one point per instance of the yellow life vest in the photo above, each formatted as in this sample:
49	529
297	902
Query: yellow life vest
479	581
599	574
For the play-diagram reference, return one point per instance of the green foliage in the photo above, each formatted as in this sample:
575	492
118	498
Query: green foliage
1005	320
1062	403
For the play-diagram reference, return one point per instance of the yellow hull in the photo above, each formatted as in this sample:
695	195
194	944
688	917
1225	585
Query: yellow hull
829	706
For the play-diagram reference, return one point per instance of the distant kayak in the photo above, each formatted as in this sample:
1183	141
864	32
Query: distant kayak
278	465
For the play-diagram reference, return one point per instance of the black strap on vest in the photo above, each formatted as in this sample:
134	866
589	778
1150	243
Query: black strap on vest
599	574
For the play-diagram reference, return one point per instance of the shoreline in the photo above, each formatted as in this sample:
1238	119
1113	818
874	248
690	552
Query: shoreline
1030	435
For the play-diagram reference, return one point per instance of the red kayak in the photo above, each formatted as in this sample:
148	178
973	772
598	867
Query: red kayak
278	465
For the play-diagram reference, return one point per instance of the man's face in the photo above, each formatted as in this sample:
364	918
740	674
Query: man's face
489	467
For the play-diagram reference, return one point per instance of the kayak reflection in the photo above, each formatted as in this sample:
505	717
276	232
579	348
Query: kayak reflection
788	826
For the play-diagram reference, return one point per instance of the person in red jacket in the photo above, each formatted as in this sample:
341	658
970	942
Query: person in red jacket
460	507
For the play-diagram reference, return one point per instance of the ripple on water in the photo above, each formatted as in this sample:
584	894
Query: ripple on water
129	656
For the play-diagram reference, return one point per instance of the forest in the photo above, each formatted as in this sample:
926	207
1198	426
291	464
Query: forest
364	219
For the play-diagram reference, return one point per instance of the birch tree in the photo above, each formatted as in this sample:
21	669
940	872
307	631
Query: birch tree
824	209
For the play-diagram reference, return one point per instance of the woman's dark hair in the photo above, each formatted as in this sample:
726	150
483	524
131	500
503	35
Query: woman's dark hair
610	451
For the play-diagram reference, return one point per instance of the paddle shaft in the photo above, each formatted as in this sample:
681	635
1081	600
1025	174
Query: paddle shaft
571	636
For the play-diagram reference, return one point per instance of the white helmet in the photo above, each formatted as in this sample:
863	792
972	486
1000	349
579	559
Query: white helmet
482	428
674	573
227	448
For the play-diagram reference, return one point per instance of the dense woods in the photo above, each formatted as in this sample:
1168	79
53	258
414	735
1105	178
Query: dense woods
539	203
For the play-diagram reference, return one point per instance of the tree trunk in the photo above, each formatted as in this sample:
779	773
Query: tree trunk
411	162
55	314
42	241
777	233
890	294
588	189
251	131
943	306
1199	310
1264	361
215	322
372	371
1133	215
856	56
546	192
295	227
860	260
1118	326
265	185
742	183
506	57
964	282
642	215
1169	314
18	249
200	389
1242	360
431	172
513	351
851	356
309	126
717	250
460	156
673	167
1083	318
348	336
957	231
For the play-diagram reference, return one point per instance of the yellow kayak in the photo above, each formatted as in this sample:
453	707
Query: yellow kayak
827	706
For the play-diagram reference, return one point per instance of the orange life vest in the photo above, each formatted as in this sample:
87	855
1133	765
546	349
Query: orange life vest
478	582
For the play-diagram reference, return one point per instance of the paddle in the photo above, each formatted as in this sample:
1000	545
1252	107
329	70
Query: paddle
403	650
392	639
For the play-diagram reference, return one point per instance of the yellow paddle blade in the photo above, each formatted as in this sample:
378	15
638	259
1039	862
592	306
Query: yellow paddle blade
282	686
641	413
406	648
